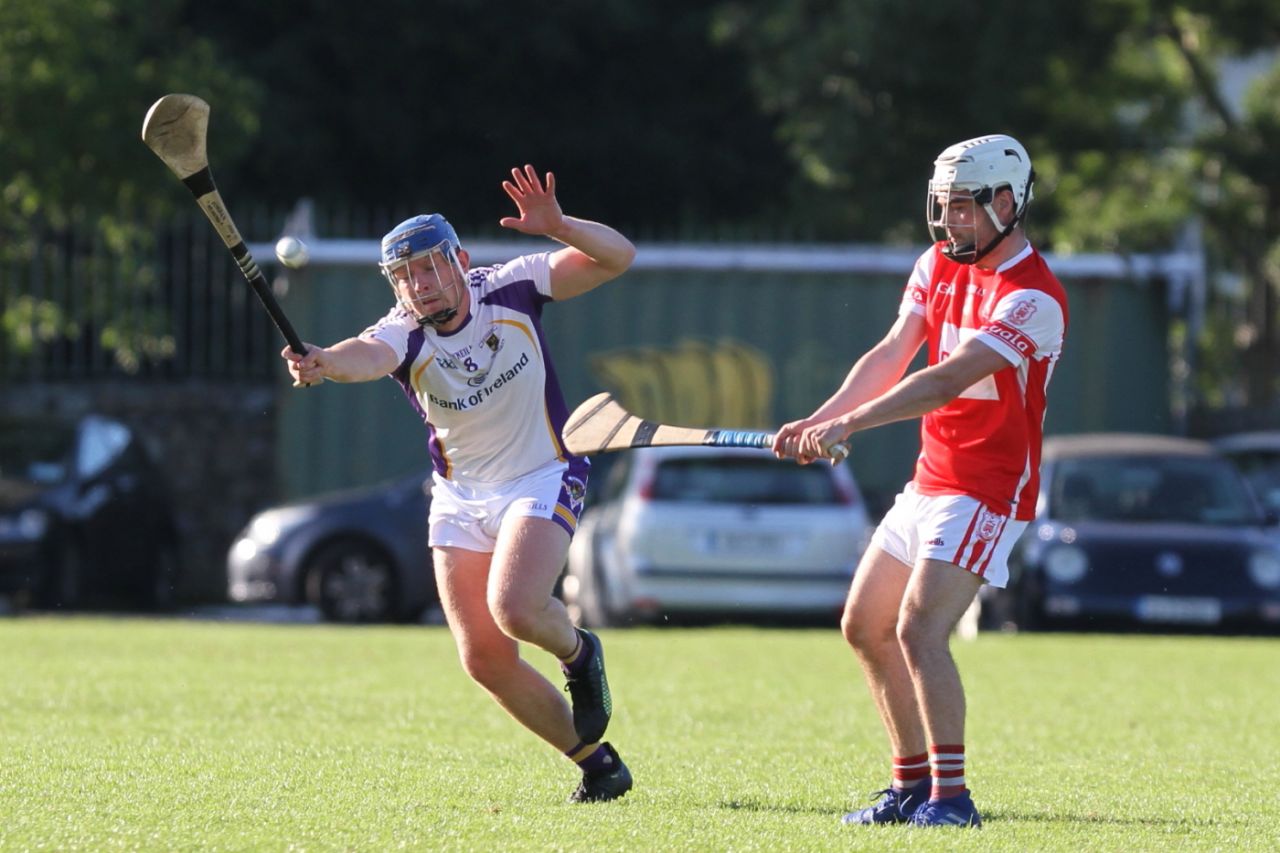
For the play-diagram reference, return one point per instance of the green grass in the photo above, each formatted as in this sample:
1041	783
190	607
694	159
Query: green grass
174	735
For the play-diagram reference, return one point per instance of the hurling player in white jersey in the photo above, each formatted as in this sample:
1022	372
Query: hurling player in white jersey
993	318
467	347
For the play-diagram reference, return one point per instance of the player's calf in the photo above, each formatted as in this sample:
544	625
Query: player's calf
588	687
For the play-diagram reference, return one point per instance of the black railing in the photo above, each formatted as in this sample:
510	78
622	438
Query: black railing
171	305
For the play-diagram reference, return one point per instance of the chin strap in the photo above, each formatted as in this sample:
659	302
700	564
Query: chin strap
439	318
986	250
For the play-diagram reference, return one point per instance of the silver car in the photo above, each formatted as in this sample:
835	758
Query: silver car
715	531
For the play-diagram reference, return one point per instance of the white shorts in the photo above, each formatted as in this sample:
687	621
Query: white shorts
953	528
469	516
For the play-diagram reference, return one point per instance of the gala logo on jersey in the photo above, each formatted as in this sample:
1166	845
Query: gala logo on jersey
1022	312
1012	337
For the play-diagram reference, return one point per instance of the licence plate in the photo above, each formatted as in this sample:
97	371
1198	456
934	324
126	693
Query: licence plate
741	542
1186	611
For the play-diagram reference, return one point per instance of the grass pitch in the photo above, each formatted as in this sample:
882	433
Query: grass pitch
176	735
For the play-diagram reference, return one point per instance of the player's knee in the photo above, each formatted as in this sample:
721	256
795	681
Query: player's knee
514	617
487	668
919	636
866	632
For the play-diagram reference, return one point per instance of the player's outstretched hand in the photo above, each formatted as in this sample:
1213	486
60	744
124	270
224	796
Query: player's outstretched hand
306	369
540	213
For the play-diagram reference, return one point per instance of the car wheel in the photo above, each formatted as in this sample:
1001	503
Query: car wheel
352	581
64	585
1029	606
595	605
160	586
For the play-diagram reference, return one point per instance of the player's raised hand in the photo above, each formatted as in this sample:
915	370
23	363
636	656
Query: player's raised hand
540	213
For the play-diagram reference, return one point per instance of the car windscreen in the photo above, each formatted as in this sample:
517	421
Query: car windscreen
730	479
1261	469
35	452
1154	488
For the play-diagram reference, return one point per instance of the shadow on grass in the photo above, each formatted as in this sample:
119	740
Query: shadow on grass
1095	818
777	808
995	815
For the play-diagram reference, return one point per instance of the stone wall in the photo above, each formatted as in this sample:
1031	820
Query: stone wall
216	440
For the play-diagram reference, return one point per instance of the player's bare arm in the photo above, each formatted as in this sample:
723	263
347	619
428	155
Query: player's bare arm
596	253
351	360
917	395
872	375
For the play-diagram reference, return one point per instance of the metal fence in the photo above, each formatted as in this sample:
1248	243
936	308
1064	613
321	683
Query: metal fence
169	305
174	306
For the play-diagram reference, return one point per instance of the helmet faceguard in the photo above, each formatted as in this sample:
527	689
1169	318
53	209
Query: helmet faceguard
420	260
972	172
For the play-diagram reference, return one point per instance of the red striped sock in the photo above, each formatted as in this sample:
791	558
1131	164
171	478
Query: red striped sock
910	770
948	770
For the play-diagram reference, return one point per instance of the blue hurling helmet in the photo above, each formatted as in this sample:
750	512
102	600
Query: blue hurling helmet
418	237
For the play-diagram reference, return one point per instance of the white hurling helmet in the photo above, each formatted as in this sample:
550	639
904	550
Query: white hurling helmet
979	167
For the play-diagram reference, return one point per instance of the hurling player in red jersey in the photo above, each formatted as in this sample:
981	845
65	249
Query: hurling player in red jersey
993	317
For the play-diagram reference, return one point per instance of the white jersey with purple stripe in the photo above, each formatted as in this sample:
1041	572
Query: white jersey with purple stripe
487	391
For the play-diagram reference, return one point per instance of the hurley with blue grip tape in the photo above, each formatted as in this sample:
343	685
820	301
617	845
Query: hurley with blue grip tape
601	425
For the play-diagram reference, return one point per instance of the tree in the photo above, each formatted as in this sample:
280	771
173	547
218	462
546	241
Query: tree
1118	100
395	104
76	80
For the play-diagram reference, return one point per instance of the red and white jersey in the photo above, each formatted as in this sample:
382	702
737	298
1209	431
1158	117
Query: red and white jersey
986	442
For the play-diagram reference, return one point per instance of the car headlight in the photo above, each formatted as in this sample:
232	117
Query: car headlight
1264	568
1066	563
27	526
266	528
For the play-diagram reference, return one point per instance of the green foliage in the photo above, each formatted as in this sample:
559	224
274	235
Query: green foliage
76	79
393	103
179	735
1118	101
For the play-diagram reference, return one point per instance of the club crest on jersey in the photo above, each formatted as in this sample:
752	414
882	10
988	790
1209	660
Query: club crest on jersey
989	524
576	490
1022	312
493	342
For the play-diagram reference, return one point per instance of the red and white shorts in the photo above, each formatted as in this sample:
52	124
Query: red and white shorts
952	528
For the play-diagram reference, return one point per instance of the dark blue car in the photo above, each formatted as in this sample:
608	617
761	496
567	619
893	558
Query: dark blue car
1145	530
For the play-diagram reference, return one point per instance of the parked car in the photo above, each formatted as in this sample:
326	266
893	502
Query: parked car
1144	530
1257	456
715	531
359	555
85	515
